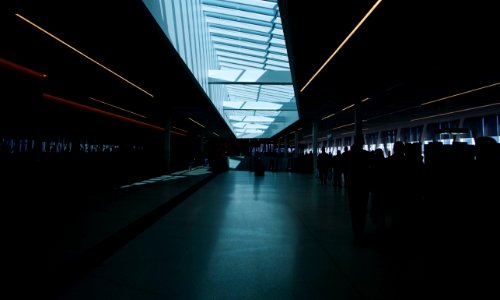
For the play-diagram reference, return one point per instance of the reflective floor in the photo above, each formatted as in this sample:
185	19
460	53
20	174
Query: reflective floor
280	236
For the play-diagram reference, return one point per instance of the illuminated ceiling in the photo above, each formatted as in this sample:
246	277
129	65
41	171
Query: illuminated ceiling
236	51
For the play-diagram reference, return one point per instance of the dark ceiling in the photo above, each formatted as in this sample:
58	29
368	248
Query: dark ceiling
124	37
405	54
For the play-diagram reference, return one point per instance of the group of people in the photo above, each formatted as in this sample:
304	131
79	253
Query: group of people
400	190
375	184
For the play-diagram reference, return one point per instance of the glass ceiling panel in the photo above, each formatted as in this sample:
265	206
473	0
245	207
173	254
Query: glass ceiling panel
278	49
239	34
265	4
236	66
239	43
267	113
278	31
277	56
261	105
270	67
241	56
239	50
237	13
242	25
277	41
240	113
241	62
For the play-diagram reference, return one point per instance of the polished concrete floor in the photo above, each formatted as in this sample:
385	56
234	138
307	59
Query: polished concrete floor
280	236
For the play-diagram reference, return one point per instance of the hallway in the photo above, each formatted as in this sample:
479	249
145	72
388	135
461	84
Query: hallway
281	236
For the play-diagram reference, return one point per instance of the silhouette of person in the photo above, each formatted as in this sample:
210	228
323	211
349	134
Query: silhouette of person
357	170
323	165
336	170
259	167
342	166
378	195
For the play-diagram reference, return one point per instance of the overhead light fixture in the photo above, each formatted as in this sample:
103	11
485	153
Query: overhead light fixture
462	93
215	133
329	116
454	112
18	68
117	107
196	122
342	44
177	133
366	99
346	108
98	111
433	101
342	126
347	133
177	128
85	55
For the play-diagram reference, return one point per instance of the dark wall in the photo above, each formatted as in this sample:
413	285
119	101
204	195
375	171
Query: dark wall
64	149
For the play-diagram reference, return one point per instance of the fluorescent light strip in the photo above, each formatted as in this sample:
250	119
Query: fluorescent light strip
98	111
342	126
462	93
196	122
366	99
418	106
177	133
177	128
394	112
454	112
117	107
84	55
346	108
347	133
215	133
18	68
342	44
329	116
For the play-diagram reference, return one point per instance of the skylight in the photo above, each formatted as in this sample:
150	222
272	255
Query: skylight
237	52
